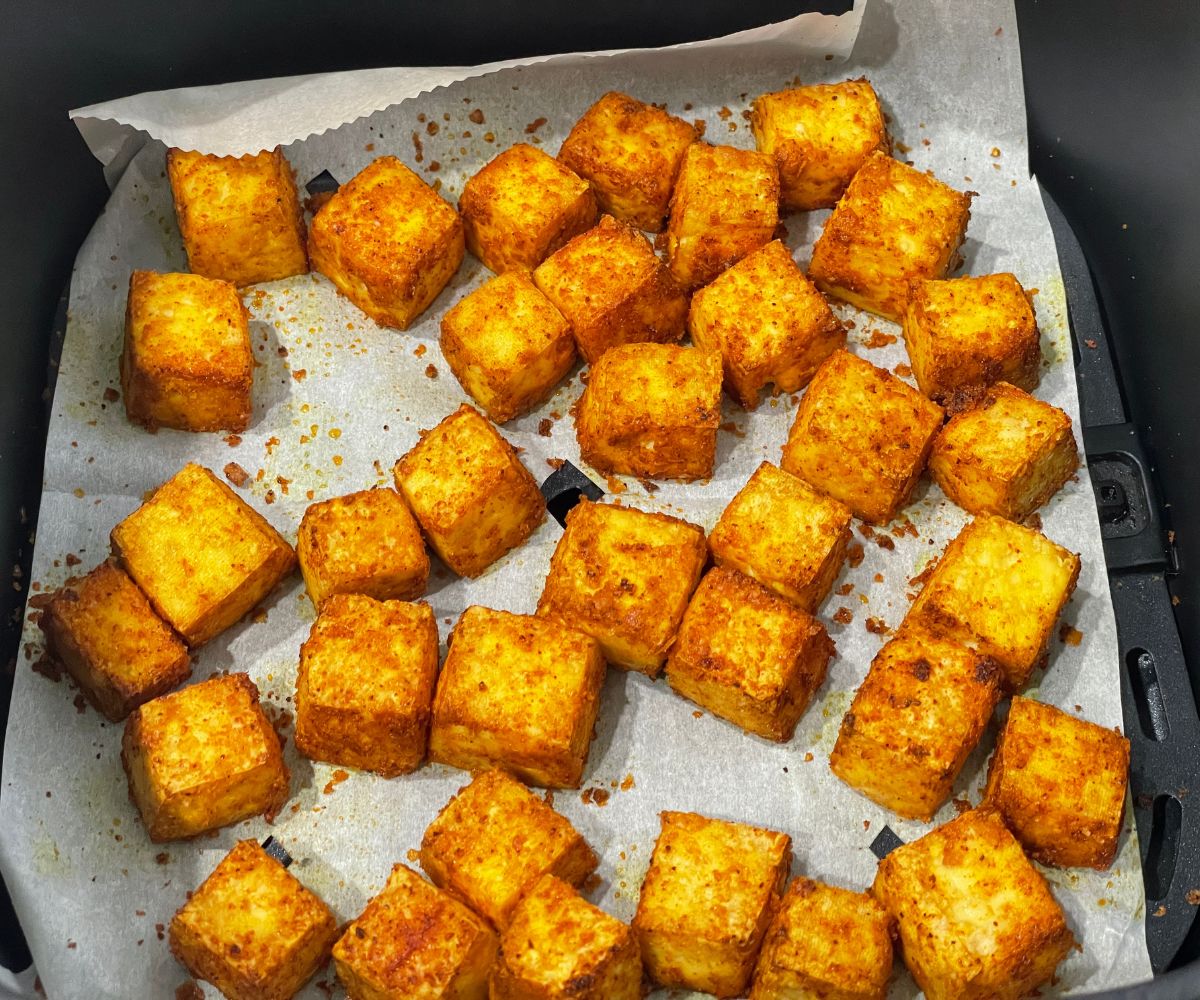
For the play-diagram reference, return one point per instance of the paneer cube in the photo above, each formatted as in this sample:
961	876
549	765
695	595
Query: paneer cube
893	226
201	554
239	216
252	929
388	242
613	290
186	362
725	204
494	840
624	576
976	919
768	323
522	206
710	892
1059	782
999	588
630	152
861	436
202	758
507	345
748	656
468	489
652	410
365	684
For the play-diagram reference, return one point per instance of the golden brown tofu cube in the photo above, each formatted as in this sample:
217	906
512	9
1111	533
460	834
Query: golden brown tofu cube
1059	782
861	436
507	345
251	929
711	890
365	684
613	290
468	489
976	919
725	204
522	206
239	216
893	226
652	410
388	242
186	362
999	587
624	576
494	840
630	152
413	942
202	758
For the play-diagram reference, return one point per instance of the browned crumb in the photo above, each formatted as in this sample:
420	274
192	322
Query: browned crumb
420	152
162	857
844	589
615	485
854	554
335	779
434	166
477	117
700	125
555	463
233	440
419	351
595	797
47	668
1193	897
961	805
1069	635
697	714
269	497
879	339
808	757
922	578
111	394
877	626
300	374
236	474
627	783
878	578
545	426
843	616
71	559
160	931
431	371
649	485
903	370
534	125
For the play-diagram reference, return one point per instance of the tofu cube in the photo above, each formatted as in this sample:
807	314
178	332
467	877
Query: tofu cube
893	226
613	290
202	758
710	892
468	489
365	684
861	436
363	543
388	242
652	410
1059	782
999	588
414	941
630	153
725	204
494	840
820	136
518	692
239	216
251	929
507	345
186	362
522	206
976	919
748	656
201	554
624	576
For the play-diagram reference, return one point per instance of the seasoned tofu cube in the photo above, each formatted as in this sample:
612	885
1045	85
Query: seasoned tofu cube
624	576
522	206
468	489
976	919
711	890
202	758
630	152
748	655
820	135
413	942
201	554
239	216
613	290
1059	782
861	436
507	345
519	692
652	410
365	684
893	226
999	588
494	840
725	204
363	543
186	362
388	242
251	929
